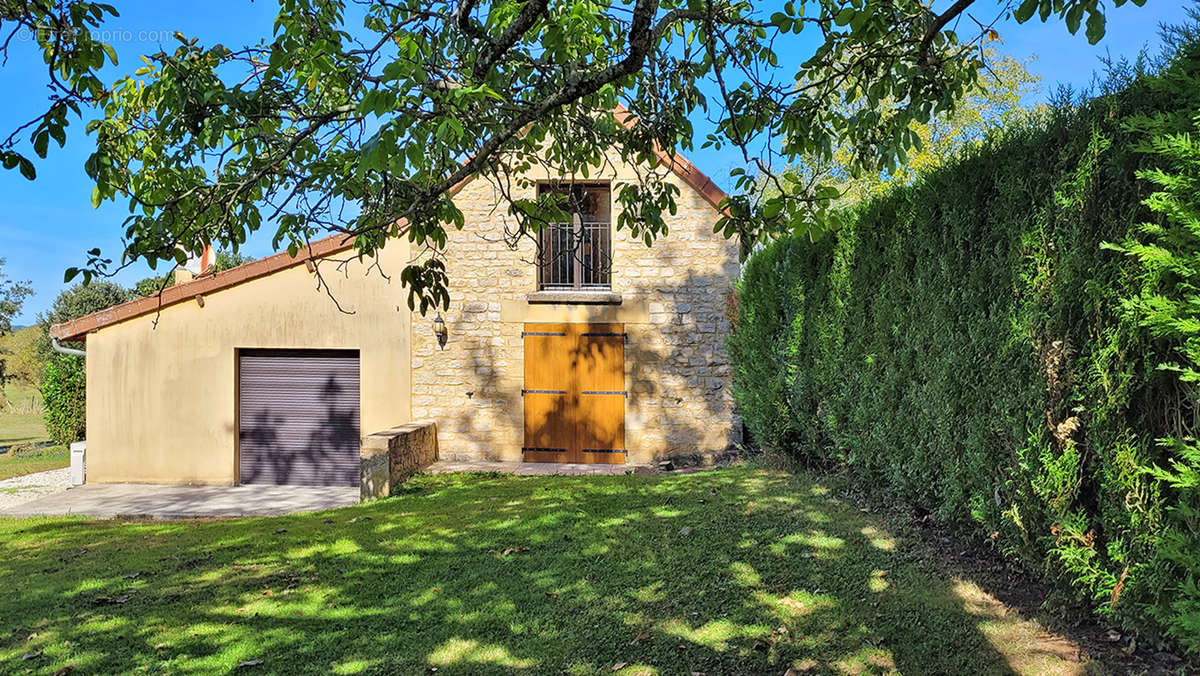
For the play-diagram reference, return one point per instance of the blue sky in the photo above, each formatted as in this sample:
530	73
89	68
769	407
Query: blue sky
47	225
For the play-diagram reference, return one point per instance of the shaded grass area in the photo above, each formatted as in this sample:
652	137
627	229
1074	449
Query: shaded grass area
21	415
28	462
736	571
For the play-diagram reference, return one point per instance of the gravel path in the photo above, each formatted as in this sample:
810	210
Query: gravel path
21	489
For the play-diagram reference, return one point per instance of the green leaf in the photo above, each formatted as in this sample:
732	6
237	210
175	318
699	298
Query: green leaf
40	142
845	16
96	197
771	210
27	169
860	19
1025	11
1095	27
112	53
1073	17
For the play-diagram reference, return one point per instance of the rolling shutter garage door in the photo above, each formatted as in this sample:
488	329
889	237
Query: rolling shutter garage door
298	417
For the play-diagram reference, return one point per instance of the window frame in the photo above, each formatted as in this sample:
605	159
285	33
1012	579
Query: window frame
579	271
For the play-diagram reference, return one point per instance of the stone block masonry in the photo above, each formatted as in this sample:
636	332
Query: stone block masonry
671	298
393	455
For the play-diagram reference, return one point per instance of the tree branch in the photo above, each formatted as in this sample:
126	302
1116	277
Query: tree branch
529	14
936	27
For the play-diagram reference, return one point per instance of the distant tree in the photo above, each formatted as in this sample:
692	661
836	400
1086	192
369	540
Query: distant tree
993	104
152	285
77	301
231	259
12	297
24	364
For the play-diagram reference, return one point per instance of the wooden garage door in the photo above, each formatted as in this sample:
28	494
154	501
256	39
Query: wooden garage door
298	417
575	393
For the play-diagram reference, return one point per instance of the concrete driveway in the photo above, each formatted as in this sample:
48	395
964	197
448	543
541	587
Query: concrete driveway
110	501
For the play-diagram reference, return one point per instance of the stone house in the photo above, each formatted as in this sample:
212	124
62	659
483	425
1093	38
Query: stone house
582	346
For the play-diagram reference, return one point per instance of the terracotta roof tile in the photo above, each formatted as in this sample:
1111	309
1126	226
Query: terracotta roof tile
77	329
680	165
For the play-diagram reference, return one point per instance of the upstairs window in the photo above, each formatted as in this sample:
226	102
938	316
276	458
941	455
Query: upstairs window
577	254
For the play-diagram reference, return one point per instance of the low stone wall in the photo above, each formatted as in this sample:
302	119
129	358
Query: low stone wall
393	455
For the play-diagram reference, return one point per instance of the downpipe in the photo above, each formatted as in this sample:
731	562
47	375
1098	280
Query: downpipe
65	350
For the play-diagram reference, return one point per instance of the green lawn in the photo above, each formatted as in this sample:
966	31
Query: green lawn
21	415
734	571
21	423
53	457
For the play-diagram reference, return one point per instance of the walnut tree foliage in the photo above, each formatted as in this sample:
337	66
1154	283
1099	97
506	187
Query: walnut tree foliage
359	118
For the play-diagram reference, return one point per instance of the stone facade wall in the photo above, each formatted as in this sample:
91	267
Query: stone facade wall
393	455
674	298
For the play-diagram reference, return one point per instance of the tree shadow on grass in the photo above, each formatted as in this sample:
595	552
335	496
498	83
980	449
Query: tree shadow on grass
736	571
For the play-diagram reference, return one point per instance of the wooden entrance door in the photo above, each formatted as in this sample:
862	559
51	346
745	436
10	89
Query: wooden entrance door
549	427
574	393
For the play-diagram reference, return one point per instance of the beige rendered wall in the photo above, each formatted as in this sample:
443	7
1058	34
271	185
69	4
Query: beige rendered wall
162	391
674	305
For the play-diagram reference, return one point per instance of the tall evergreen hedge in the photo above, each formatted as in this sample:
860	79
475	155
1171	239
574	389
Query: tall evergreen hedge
974	344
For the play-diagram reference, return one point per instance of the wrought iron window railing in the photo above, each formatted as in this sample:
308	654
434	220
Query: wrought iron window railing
576	255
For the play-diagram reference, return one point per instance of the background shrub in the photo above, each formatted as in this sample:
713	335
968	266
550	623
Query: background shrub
64	400
973	344
77	301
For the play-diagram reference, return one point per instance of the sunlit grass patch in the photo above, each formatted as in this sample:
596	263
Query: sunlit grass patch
1027	647
807	543
795	604
352	666
472	652
878	581
878	538
715	634
867	660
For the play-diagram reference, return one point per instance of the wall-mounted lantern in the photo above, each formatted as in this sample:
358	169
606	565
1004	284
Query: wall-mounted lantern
439	330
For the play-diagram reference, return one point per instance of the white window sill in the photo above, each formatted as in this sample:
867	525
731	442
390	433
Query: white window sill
581	297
